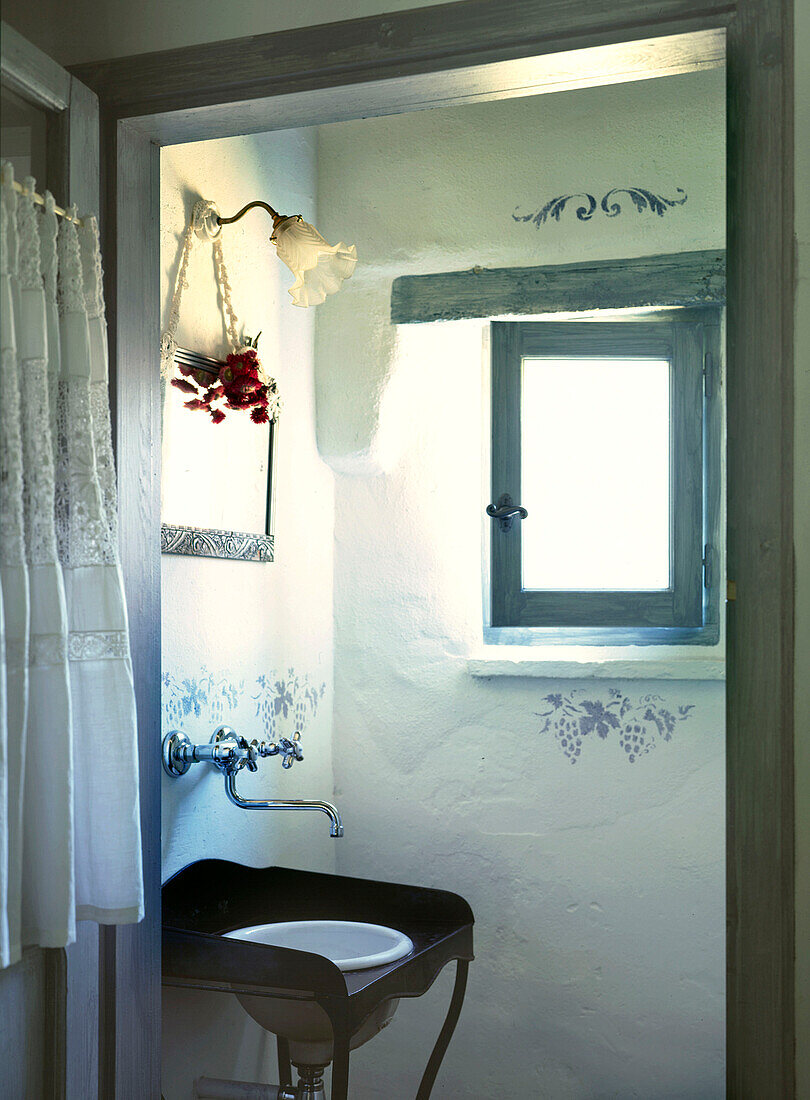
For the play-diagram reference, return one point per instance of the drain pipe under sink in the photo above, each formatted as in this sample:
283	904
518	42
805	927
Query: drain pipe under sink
310	1087
212	1088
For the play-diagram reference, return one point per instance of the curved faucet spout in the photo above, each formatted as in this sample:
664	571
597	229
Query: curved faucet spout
335	823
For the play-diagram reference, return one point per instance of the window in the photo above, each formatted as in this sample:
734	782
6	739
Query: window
607	434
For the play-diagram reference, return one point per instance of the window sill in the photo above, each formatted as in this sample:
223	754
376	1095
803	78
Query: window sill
484	665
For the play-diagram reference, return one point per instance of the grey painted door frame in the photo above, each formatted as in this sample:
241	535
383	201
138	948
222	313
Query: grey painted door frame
449	53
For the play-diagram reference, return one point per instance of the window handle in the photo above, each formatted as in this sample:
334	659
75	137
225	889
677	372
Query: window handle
504	511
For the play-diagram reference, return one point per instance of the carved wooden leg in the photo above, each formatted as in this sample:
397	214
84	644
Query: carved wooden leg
446	1034
340	1057
284	1067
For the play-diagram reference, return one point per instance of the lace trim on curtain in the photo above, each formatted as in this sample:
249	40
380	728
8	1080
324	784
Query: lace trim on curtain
96	645
16	654
30	270
99	393
81	524
12	540
47	649
38	490
10	203
4	238
85	482
92	273
105	462
70	292
48	231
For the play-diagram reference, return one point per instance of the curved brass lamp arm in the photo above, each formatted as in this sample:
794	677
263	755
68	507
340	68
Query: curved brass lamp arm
274	214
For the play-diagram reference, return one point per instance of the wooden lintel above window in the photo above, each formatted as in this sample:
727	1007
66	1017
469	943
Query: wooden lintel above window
676	279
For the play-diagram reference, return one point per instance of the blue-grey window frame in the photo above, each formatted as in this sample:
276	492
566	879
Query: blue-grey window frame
687	612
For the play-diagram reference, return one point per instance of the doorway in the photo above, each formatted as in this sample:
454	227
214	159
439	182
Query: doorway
760	997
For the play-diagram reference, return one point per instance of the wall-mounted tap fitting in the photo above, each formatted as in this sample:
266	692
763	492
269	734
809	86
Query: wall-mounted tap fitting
230	752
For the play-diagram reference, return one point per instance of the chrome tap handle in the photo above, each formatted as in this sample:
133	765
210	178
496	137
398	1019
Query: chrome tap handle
291	750
227	750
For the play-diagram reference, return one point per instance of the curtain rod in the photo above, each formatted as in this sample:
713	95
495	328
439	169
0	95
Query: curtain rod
38	199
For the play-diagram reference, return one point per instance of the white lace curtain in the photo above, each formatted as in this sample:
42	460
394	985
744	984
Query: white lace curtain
70	846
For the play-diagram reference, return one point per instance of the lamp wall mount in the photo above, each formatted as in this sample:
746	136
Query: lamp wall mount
319	267
208	221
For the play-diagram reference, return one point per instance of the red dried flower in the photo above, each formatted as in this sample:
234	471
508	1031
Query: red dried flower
235	371
238	385
186	387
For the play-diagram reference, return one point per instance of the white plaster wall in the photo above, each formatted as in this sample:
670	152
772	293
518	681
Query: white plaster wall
246	643
598	886
437	191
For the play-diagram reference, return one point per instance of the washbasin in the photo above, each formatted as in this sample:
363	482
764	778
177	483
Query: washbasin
350	945
319	960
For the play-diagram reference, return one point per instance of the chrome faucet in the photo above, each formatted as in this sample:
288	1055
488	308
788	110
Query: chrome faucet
230	752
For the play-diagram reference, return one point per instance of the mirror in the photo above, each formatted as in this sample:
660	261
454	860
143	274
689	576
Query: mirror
217	479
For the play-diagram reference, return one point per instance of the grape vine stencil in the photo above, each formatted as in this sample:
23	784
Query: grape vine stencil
640	197
290	696
639	726
282	702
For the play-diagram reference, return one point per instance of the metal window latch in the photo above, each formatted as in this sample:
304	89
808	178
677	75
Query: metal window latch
504	511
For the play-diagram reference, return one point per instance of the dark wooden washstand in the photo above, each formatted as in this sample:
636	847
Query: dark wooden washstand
214	896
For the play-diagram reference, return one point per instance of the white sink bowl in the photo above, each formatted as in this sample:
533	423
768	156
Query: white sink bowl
351	945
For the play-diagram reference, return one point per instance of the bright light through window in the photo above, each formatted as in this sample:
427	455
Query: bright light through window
596	474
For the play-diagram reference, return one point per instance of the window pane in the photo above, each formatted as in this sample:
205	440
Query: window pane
595	473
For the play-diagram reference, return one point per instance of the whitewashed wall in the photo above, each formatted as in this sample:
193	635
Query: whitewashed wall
245	643
440	190
594	863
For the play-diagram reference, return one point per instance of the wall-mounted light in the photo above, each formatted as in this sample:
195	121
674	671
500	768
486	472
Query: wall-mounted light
319	268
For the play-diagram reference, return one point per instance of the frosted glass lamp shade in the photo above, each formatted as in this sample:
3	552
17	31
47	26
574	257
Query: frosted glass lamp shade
319	268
